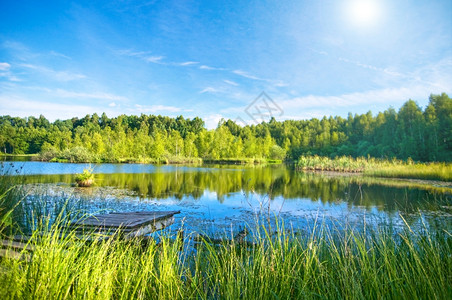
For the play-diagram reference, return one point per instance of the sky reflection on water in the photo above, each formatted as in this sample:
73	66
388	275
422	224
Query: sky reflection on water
215	199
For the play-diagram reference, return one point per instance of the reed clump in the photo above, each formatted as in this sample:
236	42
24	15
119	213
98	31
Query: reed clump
85	179
377	167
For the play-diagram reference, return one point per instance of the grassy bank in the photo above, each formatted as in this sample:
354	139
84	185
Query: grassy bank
18	155
320	264
377	167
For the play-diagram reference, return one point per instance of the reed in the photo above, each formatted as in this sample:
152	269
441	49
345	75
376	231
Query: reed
325	263
431	171
377	167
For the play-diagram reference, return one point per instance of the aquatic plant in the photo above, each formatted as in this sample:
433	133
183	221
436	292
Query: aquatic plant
85	179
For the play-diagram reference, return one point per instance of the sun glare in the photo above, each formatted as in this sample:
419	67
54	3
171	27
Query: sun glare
363	13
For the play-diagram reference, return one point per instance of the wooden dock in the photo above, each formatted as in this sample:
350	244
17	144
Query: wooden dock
132	224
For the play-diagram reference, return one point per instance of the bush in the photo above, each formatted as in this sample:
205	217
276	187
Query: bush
85	179
48	154
276	152
77	154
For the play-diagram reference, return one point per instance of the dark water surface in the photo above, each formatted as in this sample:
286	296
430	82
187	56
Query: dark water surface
218	199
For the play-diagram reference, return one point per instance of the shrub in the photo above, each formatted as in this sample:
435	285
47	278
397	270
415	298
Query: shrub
85	179
276	152
77	154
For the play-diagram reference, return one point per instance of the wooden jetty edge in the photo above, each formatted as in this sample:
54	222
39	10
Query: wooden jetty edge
132	224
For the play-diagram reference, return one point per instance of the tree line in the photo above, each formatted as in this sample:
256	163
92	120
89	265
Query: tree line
412	132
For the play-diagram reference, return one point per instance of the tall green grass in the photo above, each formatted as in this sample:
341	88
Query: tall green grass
11	196
324	263
433	171
377	167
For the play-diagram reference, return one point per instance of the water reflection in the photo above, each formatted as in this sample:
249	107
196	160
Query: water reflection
214	197
276	181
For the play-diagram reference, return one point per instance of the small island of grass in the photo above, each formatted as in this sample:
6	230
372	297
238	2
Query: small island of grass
85	179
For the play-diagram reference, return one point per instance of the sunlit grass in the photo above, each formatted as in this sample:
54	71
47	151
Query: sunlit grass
324	263
435	171
377	167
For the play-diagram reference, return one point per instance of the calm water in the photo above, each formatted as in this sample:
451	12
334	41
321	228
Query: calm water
218	199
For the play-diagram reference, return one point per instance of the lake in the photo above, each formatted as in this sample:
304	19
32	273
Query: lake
218	199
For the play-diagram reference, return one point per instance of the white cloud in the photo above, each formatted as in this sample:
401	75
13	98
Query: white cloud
57	54
231	82
57	75
14	78
155	108
188	63
387	97
211	121
154	59
19	50
61	93
23	107
4	66
17	106
210	89
246	75
205	67
281	84
438	74
307	115
321	52
5	72
387	71
97	95
129	52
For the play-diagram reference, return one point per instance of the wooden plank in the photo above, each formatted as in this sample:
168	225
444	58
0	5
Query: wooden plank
110	220
129	220
159	225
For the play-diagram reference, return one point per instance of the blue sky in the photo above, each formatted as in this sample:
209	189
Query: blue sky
213	58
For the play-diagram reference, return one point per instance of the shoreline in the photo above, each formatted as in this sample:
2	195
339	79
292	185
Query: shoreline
164	161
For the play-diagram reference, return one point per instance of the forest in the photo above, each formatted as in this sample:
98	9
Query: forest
411	132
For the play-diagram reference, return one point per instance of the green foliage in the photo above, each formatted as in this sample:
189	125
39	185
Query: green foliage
85	179
85	176
48	154
276	152
77	154
424	135
341	164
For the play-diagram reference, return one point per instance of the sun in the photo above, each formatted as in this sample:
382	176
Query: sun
363	13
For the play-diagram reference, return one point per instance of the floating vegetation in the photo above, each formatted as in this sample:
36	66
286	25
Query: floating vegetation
85	179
